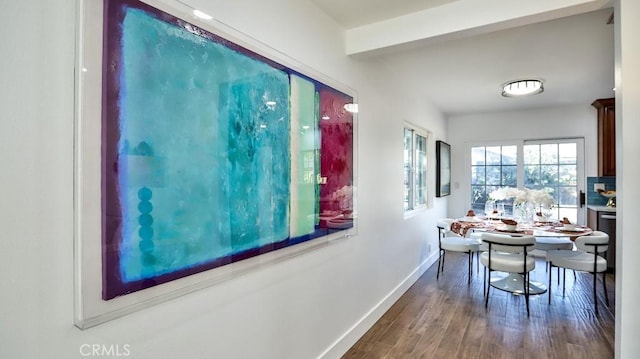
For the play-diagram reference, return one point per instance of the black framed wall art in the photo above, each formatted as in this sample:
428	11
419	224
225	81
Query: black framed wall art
443	169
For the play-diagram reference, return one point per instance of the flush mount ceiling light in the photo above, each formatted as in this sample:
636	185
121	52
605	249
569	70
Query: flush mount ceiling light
202	15
522	88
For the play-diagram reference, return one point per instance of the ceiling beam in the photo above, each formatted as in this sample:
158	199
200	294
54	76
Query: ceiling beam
458	19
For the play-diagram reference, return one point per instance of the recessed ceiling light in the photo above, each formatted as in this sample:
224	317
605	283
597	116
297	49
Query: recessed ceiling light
522	88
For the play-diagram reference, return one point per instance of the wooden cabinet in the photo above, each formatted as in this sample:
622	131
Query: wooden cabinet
606	136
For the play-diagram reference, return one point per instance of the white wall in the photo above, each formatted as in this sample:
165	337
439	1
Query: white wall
295	309
627	174
319	302
560	122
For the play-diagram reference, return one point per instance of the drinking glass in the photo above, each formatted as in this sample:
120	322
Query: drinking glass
501	211
489	206
546	213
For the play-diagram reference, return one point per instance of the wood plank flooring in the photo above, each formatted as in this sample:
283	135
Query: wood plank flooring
447	319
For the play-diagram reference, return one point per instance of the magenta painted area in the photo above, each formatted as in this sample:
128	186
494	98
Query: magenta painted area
336	152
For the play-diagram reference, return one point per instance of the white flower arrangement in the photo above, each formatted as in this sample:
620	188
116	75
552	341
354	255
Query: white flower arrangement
535	196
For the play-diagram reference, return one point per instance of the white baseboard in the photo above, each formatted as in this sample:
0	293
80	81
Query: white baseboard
351	336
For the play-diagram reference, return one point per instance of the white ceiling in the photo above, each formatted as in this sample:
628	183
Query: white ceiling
462	74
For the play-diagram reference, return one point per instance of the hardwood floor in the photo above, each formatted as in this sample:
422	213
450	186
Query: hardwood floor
447	319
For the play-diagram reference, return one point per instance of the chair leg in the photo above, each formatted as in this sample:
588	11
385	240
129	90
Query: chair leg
486	299
526	291
604	285
440	260
484	282
595	295
470	267
549	287
564	279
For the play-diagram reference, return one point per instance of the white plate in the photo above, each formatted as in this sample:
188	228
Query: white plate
571	230
470	219
504	230
542	220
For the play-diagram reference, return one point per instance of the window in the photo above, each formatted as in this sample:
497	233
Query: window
492	167
415	169
552	165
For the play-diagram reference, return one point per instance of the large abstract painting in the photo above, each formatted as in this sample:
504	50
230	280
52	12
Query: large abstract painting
210	153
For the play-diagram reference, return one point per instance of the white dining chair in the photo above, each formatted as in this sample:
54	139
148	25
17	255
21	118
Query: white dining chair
545	244
450	241
589	256
511	255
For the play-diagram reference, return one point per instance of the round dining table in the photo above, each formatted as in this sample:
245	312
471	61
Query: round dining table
514	282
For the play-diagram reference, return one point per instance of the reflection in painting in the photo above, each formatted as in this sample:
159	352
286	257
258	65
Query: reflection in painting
212	153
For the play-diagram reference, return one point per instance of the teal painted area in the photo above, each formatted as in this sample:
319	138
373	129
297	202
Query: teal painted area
258	159
195	129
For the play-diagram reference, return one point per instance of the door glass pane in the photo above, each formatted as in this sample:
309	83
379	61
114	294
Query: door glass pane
509	155
568	153
568	175
532	154
531	175
568	196
549	154
548	176
554	168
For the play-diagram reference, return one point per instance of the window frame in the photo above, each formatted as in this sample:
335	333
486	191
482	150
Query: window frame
518	184
520	143
410	201
580	173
